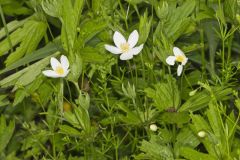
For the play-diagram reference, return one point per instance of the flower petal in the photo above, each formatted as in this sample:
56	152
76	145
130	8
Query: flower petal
179	70
126	56
133	38
65	73
50	73
112	49
185	61
136	50
171	60
178	52
64	62
54	63
118	39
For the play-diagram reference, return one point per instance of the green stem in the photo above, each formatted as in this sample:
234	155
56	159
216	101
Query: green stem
203	53
54	148
229	48
137	109
136	73
69	90
143	67
60	97
223	59
131	72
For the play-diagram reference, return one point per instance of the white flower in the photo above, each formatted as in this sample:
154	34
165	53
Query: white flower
179	56
153	127
60	69
123	47
202	134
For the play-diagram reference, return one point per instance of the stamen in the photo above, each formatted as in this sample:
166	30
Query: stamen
59	70
180	58
124	47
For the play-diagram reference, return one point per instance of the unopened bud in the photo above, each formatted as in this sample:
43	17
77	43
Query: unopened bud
153	127
202	134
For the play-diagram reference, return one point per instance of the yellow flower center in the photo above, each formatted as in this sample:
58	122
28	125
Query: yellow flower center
124	47
180	58
59	70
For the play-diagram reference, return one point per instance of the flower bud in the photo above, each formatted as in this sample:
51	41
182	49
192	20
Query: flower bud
153	127
202	134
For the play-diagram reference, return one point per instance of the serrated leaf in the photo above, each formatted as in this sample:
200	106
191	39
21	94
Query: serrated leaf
156	151
165	94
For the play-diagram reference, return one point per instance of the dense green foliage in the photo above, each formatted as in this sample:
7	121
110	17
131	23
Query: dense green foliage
103	109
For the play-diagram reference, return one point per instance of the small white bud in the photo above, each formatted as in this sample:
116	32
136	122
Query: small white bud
202	134
153	127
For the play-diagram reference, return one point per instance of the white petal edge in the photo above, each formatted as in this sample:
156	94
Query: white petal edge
126	56
177	51
133	38
136	50
171	60
112	49
54	63
118	39
64	62
185	61
179	70
50	73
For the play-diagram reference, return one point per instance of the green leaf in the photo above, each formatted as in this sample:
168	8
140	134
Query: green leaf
25	92
52	7
6	132
192	154
213	40
175	117
177	21
201	99
15	37
185	138
11	26
215	120
165	94
92	55
76	67
16	9
201	124
90	28
65	129
70	17
230	8
27	75
144	27
83	118
156	151
48	50
3	100
34	31
131	118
